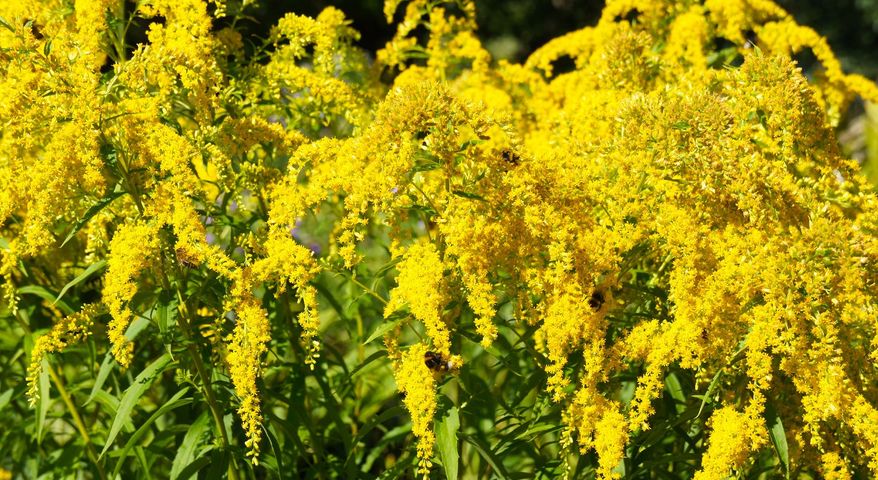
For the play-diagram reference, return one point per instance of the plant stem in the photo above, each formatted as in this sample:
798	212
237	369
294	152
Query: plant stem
368	290
207	388
77	420
208	393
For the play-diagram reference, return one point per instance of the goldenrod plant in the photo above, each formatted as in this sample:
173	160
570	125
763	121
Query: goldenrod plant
638	254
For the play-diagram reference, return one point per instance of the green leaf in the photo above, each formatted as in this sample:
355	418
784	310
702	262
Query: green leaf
165	313
469	195
194	467
383	328
47	48
426	167
707	397
672	383
371	358
145	465
133	330
485	452
186	453
275	449
398	469
103	373
681	125
46	295
469	143
374	422
97	207
219	464
446	438
5	398
132	395
173	403
6	24
779	440
660	432
44	401
426	161
94	267
869	166
386	268
110	404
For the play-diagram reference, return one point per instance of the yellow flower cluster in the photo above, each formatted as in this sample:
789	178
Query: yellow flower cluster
720	178
313	88
289	263
734	436
161	128
420	288
246	345
652	208
598	424
68	331
416	383
131	249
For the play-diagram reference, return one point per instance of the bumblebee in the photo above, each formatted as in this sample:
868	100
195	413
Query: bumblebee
211	332
434	361
35	29
596	301
185	259
510	157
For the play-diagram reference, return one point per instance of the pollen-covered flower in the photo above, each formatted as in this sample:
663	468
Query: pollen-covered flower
132	251
731	442
421	288
673	207
415	382
289	263
246	346
69	330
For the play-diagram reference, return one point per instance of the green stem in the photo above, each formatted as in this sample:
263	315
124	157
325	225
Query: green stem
202	372
77	420
427	197
368	290
130	187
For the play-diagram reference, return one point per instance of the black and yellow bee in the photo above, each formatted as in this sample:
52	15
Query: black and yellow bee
436	362
510	157
184	259
210	332
596	301
35	29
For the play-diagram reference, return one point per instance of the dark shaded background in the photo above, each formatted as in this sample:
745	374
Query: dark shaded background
514	28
